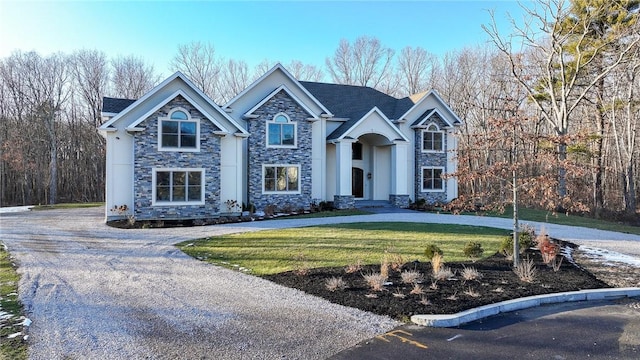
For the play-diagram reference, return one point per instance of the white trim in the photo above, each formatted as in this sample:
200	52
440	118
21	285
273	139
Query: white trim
442	139
188	120
422	189
457	121
249	114
289	122
177	203
163	84
279	66
384	117
265	192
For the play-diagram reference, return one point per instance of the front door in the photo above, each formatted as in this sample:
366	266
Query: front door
357	182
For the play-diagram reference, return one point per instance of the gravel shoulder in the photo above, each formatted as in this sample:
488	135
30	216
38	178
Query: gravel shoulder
94	291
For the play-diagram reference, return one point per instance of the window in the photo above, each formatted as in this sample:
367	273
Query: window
178	186
356	151
281	132
432	139
432	179
179	131
281	178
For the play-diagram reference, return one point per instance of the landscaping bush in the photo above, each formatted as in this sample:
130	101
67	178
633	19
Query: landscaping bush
431	250
473	250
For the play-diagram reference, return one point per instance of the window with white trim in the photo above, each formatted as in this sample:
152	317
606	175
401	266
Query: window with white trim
173	186
281	131
281	178
432	179
432	139
179	131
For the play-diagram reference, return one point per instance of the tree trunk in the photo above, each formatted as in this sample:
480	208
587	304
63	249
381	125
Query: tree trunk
629	191
562	175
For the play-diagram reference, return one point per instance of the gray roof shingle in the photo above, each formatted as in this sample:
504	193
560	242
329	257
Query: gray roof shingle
353	102
115	105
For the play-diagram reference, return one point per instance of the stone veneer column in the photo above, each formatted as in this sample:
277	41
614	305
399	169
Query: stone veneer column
343	199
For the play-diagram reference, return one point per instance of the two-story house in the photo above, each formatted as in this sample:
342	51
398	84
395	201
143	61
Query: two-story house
174	154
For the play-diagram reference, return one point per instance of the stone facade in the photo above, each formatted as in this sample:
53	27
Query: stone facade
260	154
400	201
342	202
147	157
430	159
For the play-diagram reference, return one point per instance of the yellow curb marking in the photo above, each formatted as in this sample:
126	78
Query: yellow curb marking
402	338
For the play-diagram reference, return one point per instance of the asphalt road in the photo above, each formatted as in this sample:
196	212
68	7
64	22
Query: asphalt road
586	330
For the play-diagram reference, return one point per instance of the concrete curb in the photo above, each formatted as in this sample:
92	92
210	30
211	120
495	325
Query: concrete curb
452	320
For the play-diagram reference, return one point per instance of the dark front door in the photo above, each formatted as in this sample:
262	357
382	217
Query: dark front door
357	182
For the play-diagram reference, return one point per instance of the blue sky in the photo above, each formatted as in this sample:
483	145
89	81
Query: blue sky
252	31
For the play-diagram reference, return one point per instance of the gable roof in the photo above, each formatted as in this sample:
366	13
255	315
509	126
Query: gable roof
343	130
442	108
274	93
279	67
162	87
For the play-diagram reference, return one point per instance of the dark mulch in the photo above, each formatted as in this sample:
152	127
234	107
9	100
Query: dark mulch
498	283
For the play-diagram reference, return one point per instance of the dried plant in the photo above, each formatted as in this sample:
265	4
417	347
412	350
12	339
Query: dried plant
498	290
335	283
411	277
398	293
436	263
371	296
301	267
355	267
384	268
375	280
417	289
526	270
425	301
434	285
470	273
548	249
556	263
444	273
472	293
395	261
453	297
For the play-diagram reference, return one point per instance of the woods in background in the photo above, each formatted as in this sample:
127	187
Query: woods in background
556	101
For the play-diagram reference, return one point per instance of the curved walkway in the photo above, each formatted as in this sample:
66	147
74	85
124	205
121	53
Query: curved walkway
93	291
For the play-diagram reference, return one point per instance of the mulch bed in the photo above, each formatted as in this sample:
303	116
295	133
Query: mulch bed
498	283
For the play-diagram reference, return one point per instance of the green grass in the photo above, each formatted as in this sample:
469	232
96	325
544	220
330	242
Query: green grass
563	219
10	348
67	206
274	251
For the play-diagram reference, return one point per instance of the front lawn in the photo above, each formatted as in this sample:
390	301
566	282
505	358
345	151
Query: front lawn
12	345
274	251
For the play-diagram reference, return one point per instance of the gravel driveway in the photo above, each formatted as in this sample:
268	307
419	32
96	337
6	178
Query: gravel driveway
96	292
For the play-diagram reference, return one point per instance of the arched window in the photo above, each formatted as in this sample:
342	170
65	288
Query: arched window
179	131
432	139
281	131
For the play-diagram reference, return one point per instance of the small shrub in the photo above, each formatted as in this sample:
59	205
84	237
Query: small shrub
410	276
444	273
473	250
417	289
548	249
526	271
395	261
355	267
470	274
432	250
301	267
384	268
375	281
436	263
335	283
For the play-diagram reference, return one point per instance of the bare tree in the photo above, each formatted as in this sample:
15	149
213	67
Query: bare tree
366	63
305	72
91	74
132	77
561	74
199	63
416	67
234	78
